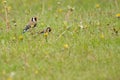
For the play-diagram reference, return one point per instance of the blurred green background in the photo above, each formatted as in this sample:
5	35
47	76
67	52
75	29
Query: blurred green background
84	43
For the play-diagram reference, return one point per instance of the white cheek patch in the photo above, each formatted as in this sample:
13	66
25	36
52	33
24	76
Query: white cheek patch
33	19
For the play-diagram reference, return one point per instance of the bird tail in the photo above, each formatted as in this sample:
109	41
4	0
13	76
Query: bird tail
26	28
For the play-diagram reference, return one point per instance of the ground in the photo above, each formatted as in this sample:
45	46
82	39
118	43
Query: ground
84	43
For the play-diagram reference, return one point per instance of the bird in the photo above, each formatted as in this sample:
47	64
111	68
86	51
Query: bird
46	30
31	24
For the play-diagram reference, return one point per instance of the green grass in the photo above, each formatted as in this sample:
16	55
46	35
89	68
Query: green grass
92	53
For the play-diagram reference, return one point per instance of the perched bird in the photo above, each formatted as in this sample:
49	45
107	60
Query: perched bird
31	24
47	30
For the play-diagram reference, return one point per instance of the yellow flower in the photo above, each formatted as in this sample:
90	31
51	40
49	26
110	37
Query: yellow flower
60	10
46	34
9	78
102	36
97	6
9	8
58	3
20	37
42	24
65	23
86	26
56	16
98	23
36	71
14	38
3	72
118	15
66	46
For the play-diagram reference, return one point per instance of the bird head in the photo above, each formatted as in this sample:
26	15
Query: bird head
48	29
34	19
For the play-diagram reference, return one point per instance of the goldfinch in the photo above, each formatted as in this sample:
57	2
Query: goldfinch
47	30
31	24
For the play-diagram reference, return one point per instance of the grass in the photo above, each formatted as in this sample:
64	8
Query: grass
71	53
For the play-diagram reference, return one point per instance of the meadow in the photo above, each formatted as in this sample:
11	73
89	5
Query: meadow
84	43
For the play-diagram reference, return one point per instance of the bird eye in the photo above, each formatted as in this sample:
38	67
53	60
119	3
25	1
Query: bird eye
32	19
35	19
